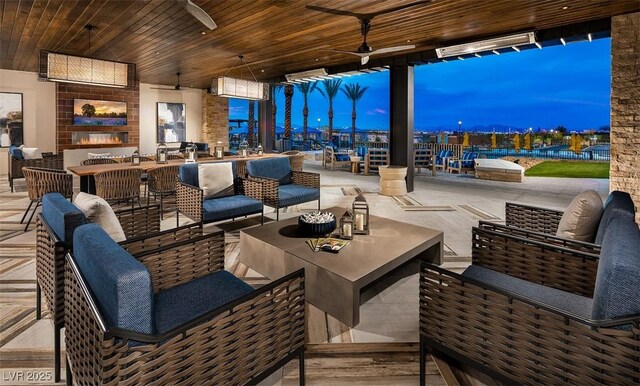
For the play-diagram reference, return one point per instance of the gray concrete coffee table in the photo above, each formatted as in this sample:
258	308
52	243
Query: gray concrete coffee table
334	281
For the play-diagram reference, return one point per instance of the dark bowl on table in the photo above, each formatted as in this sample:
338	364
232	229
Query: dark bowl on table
316	229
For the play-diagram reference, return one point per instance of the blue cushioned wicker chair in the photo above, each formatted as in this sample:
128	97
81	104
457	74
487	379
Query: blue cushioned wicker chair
540	314
163	318
464	164
246	200
282	186
541	224
442	158
333	158
55	227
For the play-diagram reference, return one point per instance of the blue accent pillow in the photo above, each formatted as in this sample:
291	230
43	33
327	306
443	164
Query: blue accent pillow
616	202
275	168
120	284
16	152
62	216
342	157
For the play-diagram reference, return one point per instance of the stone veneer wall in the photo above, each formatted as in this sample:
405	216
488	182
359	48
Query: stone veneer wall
625	105
67	92
215	120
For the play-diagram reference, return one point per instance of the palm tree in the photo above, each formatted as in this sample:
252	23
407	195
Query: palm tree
354	92
288	95
331	87
275	89
306	89
251	123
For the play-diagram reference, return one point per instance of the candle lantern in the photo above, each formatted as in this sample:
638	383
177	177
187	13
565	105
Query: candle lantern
161	153
135	158
360	212
218	150
260	150
191	155
346	226
244	148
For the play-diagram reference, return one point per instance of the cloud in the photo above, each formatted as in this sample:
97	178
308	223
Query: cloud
377	111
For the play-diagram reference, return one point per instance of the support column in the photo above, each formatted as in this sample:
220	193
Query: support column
265	124
401	119
624	173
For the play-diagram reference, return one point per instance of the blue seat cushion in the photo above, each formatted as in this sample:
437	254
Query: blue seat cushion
566	301
342	157
16	152
188	173
362	151
222	208
296	194
277	168
62	216
185	302
617	289
617	201
120	284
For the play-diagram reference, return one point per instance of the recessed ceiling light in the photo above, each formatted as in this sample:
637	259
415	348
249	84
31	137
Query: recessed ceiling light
261	70
317	59
158	53
565	7
203	32
408	40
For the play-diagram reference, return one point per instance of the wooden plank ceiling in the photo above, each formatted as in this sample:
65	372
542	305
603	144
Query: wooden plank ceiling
276	37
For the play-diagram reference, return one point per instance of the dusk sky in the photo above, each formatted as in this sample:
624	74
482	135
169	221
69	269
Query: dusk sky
560	85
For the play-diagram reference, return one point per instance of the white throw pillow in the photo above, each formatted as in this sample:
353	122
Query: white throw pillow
216	179
581	218
98	211
98	155
31	153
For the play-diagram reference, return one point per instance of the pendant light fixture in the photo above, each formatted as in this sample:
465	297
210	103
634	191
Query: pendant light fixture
228	87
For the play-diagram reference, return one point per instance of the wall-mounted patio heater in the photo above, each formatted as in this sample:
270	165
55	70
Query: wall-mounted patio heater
511	41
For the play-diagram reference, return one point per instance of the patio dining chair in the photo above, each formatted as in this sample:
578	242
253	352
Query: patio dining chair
119	185
162	183
98	161
17	162
41	181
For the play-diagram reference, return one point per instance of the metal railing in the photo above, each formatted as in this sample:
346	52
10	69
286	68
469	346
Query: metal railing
552	152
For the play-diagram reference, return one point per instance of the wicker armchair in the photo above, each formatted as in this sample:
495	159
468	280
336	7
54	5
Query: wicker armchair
374	159
53	240
41	181
296	158
541	224
48	161
98	161
246	199
119	185
162	182
531	313
186	335
283	187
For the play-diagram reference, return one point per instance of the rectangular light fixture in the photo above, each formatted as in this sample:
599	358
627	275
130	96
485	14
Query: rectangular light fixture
487	45
65	68
228	87
318	72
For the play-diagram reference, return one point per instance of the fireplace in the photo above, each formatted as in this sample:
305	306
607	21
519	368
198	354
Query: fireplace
99	138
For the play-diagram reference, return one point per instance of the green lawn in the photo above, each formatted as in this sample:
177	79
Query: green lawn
569	169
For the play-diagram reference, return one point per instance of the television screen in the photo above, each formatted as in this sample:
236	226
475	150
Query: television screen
87	112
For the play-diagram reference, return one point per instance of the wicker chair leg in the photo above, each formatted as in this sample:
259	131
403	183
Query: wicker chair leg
26	212
56	352
177	217
278	214
423	358
69	375
38	301
262	217
318	204
161	207
301	366
26	228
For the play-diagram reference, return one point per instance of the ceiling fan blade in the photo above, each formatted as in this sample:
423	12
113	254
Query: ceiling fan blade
345	52
200	14
394	9
387	50
335	11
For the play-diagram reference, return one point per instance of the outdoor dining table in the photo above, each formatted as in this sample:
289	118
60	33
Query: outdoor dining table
87	172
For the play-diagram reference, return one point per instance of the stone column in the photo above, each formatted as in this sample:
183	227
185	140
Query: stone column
625	105
215	120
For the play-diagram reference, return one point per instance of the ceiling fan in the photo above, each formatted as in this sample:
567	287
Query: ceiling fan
177	87
365	50
199	14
